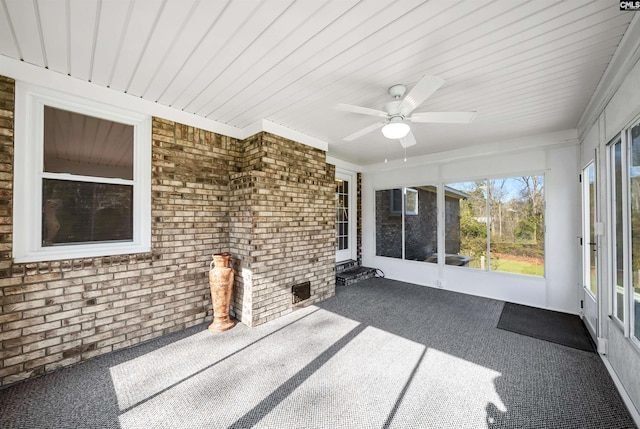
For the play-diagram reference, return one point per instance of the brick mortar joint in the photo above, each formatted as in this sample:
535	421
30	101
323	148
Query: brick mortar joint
46	267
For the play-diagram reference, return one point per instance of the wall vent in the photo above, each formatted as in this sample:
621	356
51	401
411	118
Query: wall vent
301	292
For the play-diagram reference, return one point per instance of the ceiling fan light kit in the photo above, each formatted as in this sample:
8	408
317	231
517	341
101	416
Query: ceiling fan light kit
395	129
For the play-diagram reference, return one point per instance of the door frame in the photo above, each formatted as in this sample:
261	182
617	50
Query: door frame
351	251
590	302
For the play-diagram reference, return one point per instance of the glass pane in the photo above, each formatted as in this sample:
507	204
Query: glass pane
517	225
87	146
618	302
396	200
421	226
411	201
466	224
82	212
388	224
593	283
635	226
342	214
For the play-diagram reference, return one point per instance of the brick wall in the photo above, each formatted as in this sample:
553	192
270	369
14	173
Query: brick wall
285	229
452	220
7	90
55	314
264	199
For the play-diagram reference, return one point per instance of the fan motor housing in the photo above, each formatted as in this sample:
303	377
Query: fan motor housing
393	107
397	91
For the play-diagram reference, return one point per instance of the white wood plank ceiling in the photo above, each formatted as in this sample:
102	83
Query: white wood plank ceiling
526	67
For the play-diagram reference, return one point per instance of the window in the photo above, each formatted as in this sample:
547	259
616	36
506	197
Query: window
625	215
492	225
466	219
407	227
389	225
516	225
589	259
618	218
346	206
501	225
410	201
634	191
85	171
342	214
624	163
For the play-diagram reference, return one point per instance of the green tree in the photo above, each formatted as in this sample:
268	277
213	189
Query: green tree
531	224
473	231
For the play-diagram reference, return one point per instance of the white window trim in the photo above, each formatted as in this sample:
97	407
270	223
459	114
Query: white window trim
611	205
585	227
626	230
28	173
630	290
352	253
406	211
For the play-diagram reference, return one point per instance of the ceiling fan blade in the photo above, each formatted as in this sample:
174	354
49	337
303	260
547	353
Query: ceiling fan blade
443	117
363	131
423	89
408	140
361	110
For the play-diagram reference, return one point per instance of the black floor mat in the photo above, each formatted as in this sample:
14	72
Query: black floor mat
560	328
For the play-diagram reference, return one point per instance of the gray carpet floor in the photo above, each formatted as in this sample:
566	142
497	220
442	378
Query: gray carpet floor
380	354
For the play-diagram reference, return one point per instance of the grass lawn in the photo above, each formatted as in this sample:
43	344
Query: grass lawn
512	264
518	265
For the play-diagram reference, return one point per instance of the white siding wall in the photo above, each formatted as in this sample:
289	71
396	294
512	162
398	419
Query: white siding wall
618	114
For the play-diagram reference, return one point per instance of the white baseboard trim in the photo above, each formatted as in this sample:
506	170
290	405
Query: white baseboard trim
623	393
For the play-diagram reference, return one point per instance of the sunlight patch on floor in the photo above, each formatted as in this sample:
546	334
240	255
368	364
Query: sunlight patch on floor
216	378
357	387
312	368
446	388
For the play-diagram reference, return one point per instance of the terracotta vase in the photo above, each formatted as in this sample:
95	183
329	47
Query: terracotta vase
221	284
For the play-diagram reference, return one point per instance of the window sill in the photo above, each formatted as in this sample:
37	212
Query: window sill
80	252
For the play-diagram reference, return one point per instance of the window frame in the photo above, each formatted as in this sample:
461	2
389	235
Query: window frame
629	304
489	184
447	185
627	326
29	174
407	210
611	203
394	209
441	188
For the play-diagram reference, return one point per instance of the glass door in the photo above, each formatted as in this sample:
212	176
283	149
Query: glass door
624	211
618	209
589	248
633	291
345	217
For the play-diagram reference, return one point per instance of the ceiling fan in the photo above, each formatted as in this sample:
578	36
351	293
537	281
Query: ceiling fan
399	111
